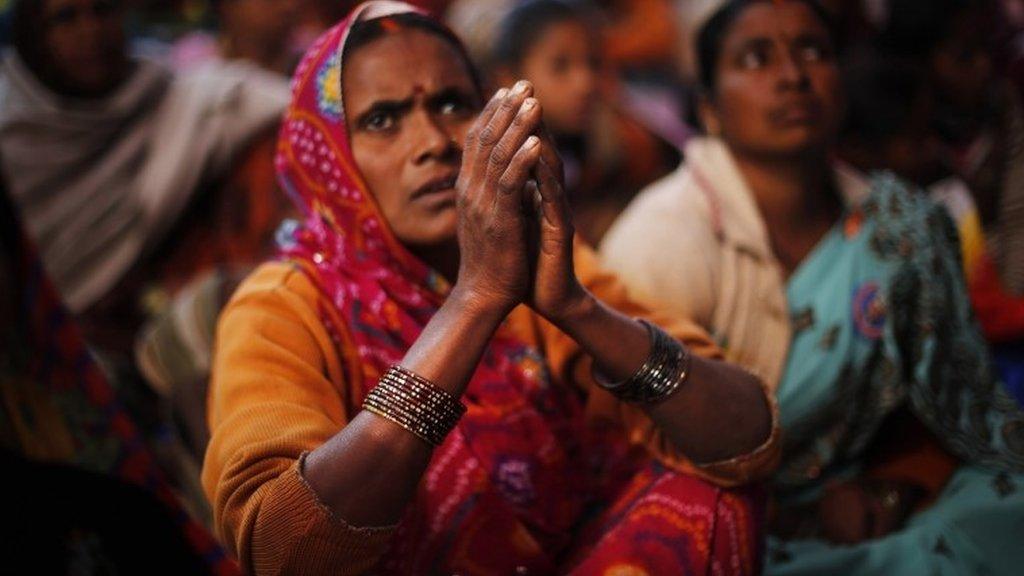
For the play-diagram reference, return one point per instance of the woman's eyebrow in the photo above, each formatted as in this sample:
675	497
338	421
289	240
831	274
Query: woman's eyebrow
449	92
386	106
806	38
755	43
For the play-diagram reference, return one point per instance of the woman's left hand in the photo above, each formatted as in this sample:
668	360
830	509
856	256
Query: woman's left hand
556	291
691	421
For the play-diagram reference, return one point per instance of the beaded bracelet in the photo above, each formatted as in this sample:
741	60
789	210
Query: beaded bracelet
666	369
416	404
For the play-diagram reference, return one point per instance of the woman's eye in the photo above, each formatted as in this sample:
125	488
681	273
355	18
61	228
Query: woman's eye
813	53
379	121
753	59
452	107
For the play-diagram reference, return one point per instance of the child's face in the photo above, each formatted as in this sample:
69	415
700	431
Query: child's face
563	67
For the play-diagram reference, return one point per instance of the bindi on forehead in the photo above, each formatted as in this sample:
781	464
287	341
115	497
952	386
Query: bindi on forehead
414	62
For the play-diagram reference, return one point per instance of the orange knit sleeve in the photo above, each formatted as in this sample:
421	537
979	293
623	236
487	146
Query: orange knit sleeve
276	393
569	364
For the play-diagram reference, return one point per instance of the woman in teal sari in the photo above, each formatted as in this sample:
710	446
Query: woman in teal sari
845	293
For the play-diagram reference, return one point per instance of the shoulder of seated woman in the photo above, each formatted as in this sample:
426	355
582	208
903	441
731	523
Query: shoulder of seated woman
671	205
674	193
280	277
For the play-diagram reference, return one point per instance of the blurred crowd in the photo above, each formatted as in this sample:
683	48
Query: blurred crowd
137	150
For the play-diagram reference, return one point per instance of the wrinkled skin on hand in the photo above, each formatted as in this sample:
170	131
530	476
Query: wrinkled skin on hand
499	156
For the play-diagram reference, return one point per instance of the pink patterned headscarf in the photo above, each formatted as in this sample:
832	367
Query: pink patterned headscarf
344	234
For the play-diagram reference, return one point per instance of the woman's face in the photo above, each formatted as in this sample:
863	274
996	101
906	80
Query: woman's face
778	90
562	65
84	45
409	101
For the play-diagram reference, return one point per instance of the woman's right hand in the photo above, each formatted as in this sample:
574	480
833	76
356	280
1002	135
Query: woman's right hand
499	156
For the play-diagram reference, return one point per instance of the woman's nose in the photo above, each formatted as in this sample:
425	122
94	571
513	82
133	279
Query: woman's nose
793	72
433	139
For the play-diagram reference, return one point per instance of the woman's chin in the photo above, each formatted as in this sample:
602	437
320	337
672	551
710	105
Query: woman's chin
798	143
436	229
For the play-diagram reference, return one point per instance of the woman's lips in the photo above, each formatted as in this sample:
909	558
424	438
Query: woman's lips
797	113
437	188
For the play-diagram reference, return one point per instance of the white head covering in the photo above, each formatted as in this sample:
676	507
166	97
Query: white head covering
692	15
99	183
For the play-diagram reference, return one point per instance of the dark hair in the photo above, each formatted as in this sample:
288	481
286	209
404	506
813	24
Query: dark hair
713	33
882	94
367	31
526	23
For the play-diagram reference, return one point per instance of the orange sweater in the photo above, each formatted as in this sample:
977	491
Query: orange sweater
279	391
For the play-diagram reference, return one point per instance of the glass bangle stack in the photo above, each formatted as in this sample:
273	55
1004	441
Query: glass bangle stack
416	404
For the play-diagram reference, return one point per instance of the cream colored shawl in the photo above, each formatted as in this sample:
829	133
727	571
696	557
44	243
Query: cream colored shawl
100	182
694	245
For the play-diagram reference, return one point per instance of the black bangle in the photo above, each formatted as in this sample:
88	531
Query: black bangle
666	369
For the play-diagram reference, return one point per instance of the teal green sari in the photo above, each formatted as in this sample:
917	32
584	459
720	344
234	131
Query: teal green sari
881	320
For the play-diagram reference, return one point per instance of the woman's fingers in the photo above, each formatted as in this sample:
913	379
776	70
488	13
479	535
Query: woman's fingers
472	158
519	129
482	120
512	181
554	206
549	152
492	132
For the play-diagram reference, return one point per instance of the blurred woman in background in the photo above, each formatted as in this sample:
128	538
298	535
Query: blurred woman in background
132	180
846	295
105	153
889	127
